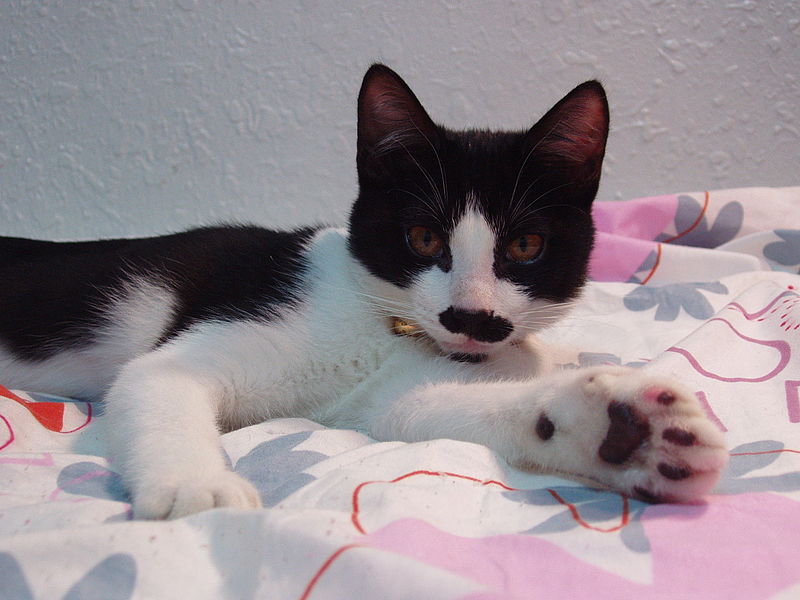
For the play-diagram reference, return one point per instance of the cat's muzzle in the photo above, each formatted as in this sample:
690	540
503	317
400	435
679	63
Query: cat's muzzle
403	327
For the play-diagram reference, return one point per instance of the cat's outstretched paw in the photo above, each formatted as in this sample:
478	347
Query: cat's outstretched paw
641	434
172	500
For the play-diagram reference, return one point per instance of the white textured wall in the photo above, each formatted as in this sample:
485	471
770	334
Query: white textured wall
137	117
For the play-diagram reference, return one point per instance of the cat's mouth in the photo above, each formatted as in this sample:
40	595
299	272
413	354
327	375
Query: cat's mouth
468	346
466	349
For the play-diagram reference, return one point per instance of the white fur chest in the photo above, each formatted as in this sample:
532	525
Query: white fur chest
311	356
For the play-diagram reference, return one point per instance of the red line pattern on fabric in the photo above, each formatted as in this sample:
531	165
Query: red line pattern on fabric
355	515
624	519
655	266
325	566
694	225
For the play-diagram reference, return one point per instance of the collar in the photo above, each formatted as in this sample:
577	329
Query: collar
406	328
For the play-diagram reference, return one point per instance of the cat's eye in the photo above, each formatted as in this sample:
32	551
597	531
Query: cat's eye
525	248
425	242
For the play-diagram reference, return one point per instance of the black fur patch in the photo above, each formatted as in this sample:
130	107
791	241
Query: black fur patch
54	293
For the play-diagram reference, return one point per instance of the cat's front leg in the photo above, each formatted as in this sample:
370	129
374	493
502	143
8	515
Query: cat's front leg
626	429
163	439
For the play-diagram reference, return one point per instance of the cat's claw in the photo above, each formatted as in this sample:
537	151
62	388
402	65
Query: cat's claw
651	437
186	497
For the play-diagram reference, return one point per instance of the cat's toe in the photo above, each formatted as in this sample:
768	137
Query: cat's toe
154	502
179	499
688	455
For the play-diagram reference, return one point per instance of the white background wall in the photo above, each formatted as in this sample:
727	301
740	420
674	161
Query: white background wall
138	117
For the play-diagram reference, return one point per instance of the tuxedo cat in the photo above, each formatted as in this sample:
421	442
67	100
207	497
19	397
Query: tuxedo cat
415	323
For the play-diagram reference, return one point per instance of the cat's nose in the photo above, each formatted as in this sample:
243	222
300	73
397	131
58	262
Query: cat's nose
480	325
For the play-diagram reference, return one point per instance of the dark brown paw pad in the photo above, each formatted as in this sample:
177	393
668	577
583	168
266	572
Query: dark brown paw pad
674	472
545	428
628	430
679	437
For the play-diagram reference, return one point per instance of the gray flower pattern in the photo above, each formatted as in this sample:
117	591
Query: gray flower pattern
276	467
702	235
785	252
594	359
113	578
670	299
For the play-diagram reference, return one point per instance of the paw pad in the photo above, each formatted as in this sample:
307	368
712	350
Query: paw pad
545	428
660	395
673	472
628	430
679	437
665	398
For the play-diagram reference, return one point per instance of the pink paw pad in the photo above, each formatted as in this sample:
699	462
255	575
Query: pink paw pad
659	395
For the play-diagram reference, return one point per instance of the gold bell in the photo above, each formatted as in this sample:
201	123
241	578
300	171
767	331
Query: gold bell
403	327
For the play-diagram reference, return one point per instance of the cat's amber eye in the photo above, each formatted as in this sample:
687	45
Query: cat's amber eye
425	242
525	248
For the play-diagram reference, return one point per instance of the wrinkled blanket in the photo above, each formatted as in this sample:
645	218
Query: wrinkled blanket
703	286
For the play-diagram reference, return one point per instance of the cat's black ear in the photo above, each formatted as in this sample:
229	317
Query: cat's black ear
389	115
571	138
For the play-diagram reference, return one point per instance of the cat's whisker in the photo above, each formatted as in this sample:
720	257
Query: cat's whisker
520	171
533	211
585	320
520	218
538	318
527	318
534	324
436	208
378	300
519	206
428	178
382	306
528	156
435	212
439	161
542	195
536	328
389	312
556	311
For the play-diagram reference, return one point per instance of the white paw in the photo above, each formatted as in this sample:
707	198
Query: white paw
641	434
174	499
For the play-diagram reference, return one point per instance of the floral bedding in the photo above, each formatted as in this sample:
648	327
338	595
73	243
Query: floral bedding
703	286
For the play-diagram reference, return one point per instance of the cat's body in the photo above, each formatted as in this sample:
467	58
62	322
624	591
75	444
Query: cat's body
475	239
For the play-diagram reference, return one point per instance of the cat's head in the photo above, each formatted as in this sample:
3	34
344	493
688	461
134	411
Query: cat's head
478	237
